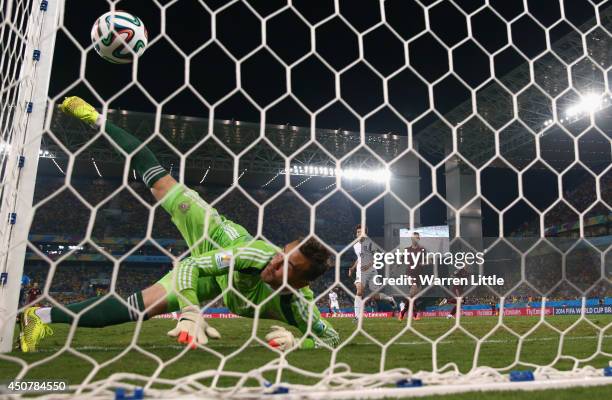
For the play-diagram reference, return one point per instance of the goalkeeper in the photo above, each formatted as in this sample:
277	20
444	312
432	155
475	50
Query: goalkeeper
221	252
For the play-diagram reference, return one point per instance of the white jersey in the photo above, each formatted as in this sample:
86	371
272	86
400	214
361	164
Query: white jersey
333	300
357	250
402	305
364	250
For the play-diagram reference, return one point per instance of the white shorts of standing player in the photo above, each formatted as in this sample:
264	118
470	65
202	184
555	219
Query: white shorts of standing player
358	275
334	307
366	279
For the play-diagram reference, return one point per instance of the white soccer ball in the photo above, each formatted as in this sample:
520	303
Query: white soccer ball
119	36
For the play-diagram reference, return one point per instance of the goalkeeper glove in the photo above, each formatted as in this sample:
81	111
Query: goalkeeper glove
280	338
192	328
80	109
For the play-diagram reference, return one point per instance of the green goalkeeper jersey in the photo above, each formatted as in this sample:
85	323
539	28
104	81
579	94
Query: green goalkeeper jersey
223	252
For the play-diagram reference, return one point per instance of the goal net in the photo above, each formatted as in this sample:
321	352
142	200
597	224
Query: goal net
472	133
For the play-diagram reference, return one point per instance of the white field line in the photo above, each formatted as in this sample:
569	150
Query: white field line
411	343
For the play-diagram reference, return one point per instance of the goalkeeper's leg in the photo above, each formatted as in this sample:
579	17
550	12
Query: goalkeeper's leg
162	185
106	312
145	163
100	312
154	300
196	220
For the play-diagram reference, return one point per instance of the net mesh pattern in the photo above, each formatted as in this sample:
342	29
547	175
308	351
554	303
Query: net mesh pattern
540	112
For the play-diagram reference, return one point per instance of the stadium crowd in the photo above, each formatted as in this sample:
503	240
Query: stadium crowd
122	216
581	198
62	218
77	281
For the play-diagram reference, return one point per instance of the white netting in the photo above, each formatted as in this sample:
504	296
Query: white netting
489	117
25	81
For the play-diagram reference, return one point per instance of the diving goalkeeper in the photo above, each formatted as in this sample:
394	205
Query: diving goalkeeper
221	252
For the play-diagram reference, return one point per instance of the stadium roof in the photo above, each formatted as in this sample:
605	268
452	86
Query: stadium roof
476	134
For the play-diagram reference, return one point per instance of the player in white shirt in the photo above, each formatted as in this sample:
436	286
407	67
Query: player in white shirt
364	270
334	307
402	305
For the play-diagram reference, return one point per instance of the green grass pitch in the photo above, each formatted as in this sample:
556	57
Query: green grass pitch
362	353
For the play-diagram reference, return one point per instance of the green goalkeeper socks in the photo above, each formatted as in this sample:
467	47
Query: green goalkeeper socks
109	311
144	161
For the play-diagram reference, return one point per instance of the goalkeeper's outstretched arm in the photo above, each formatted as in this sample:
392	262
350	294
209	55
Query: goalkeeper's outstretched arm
217	262
321	332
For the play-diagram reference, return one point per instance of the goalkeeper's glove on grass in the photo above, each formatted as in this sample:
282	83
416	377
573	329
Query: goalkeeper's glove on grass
280	338
192	328
80	109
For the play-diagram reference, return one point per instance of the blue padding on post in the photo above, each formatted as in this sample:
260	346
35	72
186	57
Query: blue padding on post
278	390
407	383
521	376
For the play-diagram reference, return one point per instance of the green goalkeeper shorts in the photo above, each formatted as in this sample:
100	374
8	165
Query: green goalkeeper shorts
208	289
204	230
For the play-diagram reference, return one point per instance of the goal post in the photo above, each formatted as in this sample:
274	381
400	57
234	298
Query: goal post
29	27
